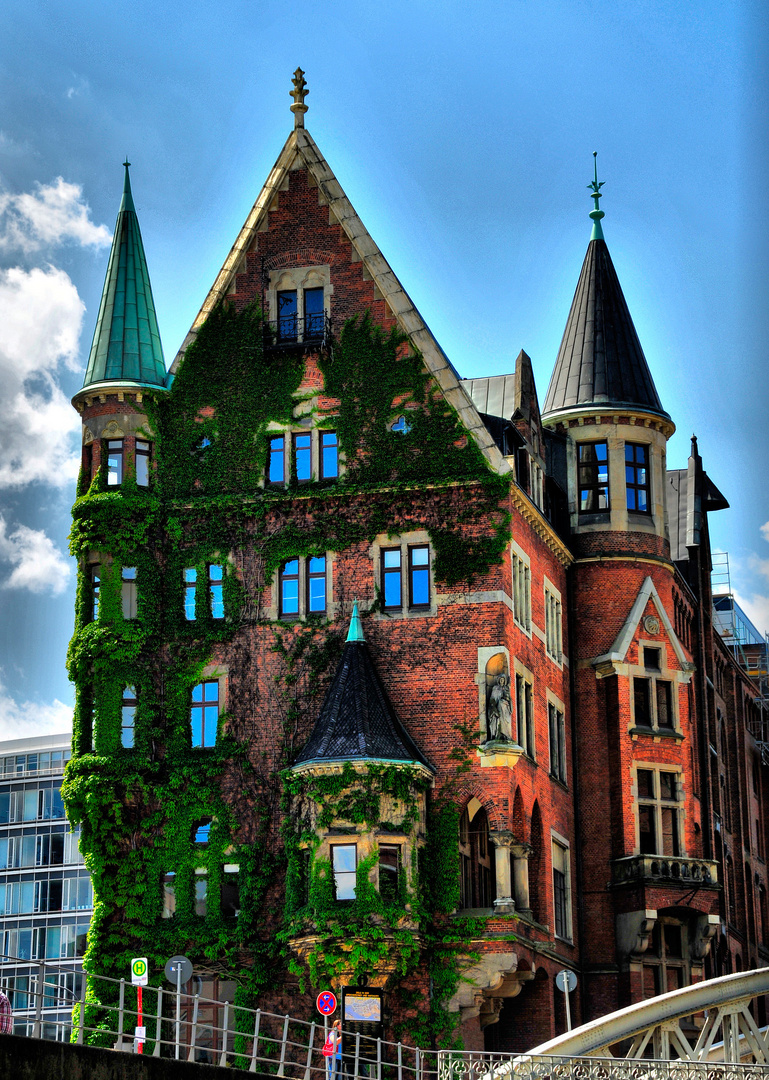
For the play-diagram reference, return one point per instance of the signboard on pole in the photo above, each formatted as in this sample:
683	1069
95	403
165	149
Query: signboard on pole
326	1003
139	971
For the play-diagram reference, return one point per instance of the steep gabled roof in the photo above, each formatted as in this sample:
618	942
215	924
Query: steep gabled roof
357	722
126	342
300	151
621	644
600	362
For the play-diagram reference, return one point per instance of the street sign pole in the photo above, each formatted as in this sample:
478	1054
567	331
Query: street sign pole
178	1007
139	1023
178	970
566	981
140	979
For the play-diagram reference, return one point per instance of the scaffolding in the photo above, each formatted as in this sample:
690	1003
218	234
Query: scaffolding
748	645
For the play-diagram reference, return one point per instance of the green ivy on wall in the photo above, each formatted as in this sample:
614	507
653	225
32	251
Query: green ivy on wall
137	807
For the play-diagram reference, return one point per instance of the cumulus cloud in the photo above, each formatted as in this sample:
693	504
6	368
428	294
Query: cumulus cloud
37	563
19	720
51	215
41	315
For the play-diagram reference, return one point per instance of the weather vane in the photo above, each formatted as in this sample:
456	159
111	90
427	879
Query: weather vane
595	213
299	93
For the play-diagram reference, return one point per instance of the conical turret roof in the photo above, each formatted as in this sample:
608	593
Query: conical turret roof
126	342
357	721
600	362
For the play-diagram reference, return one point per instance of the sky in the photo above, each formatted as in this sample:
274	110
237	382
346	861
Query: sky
463	136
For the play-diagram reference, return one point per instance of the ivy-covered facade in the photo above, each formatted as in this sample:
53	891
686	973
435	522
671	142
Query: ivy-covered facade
361	649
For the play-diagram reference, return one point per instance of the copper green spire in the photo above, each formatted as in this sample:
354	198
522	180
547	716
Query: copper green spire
595	213
126	342
355	633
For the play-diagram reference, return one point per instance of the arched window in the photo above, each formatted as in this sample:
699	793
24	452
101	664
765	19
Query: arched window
476	879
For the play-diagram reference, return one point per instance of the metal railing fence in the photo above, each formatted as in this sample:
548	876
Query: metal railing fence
483	1065
176	1024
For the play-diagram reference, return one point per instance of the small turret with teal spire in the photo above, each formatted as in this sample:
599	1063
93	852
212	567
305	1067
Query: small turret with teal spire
126	342
595	213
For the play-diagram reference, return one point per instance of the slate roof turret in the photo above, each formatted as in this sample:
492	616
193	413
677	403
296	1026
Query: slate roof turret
357	721
600	363
126	344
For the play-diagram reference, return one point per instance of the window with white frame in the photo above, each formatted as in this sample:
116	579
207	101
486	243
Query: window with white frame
561	888
553	623
537	485
524	707
521	568
405	572
557	727
143	456
302	456
659	812
128	717
214	578
344	862
303	587
654	694
204	713
128	593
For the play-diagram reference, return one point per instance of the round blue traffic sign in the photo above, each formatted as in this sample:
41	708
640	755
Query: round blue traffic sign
326	1002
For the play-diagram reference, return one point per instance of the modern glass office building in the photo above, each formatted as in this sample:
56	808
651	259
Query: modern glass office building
46	900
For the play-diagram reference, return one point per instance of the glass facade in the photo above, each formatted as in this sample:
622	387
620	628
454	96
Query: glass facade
46	899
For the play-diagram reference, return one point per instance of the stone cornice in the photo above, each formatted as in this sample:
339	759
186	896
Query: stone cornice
539	524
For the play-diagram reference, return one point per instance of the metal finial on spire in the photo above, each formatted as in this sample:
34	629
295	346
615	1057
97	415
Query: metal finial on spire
595	213
299	93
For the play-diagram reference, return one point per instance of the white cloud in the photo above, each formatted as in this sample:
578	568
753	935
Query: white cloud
40	319
19	720
37	564
753	594
52	214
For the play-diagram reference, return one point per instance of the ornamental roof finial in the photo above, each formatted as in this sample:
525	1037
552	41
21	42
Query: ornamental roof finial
299	93
595	213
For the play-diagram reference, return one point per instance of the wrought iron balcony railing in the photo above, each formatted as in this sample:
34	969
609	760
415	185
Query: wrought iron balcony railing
290	331
668	868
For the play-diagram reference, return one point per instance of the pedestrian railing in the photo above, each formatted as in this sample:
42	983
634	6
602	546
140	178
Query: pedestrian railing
175	1024
164	1022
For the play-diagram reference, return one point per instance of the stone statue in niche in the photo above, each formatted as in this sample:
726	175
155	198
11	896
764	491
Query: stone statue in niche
499	706
499	710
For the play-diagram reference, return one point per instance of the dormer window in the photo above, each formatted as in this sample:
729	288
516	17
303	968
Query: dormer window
593	477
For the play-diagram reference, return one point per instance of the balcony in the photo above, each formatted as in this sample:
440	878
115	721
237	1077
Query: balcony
293	332
667	869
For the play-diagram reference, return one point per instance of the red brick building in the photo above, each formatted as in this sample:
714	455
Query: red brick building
365	650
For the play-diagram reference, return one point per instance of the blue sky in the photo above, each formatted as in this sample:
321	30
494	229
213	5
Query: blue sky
463	135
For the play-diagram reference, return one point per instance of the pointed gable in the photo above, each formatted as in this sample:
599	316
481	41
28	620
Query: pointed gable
600	362
126	342
617	654
357	721
248	254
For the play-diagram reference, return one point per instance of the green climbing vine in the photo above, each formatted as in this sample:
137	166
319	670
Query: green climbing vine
140	806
